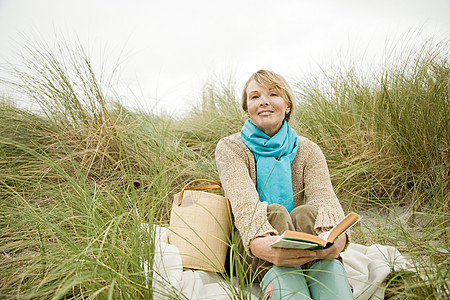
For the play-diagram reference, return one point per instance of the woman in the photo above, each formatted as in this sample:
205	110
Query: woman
276	180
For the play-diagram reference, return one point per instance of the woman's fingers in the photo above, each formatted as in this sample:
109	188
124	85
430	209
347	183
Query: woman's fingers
334	251
292	262
330	253
293	258
296	254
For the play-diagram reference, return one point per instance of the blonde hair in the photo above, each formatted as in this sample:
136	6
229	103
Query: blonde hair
270	80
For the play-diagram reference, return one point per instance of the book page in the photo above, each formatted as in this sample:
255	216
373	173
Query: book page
327	234
290	244
341	227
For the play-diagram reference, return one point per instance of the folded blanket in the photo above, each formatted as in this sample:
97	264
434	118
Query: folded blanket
367	267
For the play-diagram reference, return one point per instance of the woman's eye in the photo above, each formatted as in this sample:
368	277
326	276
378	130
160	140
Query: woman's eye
254	97
274	95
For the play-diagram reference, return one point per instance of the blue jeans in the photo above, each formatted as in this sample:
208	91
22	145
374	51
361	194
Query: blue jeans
326	279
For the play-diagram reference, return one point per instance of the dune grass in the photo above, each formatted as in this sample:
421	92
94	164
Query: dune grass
386	140
81	174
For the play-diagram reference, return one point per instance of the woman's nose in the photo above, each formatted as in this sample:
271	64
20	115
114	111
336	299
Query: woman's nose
264	100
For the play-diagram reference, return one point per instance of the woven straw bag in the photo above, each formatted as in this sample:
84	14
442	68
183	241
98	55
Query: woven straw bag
200	226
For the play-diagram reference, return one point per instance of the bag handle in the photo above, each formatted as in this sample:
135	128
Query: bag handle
215	185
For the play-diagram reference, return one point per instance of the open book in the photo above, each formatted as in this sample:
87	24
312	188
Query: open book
301	240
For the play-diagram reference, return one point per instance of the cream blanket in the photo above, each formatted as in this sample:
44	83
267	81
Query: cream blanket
367	268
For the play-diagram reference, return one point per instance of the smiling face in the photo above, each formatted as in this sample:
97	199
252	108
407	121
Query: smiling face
266	107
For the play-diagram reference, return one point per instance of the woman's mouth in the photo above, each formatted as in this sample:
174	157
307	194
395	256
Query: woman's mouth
265	113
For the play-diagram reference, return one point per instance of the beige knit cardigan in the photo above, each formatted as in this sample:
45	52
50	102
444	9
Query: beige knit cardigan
310	180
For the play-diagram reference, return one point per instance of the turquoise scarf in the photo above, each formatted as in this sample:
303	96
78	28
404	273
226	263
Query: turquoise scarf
273	156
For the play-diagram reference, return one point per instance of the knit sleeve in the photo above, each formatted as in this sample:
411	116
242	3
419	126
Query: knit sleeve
249	213
318	189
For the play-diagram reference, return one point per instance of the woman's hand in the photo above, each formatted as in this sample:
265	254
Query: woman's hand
260	247
334	251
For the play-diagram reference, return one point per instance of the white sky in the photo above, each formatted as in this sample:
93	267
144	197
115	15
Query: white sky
168	49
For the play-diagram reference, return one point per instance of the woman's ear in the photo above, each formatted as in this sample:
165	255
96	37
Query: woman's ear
288	107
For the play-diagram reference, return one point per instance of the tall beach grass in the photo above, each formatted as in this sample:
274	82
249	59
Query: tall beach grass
81	174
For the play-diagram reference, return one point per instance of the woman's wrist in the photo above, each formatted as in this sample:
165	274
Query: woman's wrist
347	241
341	242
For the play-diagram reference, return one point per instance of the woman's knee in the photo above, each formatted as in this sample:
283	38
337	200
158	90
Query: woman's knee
304	217
279	217
285	283
327	279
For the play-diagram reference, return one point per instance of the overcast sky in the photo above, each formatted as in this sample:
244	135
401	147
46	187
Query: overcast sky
168	49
